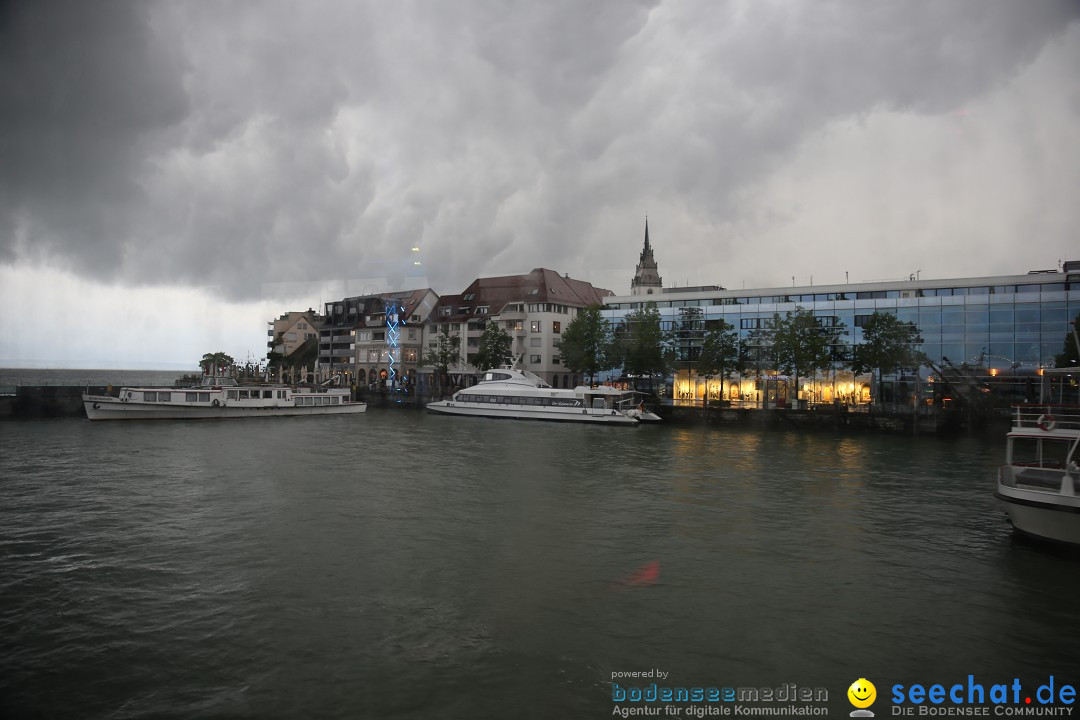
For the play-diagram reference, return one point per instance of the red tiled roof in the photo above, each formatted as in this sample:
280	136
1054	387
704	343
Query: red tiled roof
496	292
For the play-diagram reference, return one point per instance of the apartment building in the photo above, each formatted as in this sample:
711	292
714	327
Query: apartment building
532	309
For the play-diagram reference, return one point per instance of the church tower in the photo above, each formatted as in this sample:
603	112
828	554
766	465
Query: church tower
647	279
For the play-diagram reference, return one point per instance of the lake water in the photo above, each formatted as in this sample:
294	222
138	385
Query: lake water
401	565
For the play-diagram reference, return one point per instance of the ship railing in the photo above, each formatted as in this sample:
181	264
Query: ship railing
1046	417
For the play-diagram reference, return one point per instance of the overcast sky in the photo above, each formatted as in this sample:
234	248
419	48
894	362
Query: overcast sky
175	174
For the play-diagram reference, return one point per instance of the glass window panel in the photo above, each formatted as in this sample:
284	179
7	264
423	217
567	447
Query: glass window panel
953	351
1027	315
929	318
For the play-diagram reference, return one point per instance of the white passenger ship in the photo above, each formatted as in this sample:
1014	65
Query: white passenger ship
522	395
1039	484
218	397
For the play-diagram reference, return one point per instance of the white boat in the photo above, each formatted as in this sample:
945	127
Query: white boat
523	395
218	397
1039	484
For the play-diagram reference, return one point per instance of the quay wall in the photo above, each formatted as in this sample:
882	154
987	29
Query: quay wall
30	401
37	401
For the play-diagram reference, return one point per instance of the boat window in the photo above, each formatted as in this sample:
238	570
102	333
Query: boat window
1039	452
269	394
149	397
231	394
191	397
204	397
164	397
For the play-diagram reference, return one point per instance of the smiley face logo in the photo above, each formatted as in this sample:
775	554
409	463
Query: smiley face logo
862	693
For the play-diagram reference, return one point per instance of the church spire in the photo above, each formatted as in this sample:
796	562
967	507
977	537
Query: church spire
647	279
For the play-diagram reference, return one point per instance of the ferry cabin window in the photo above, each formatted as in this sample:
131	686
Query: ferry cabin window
149	397
268	394
191	397
1035	452
231	394
281	394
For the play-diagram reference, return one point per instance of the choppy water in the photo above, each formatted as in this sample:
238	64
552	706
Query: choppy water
399	565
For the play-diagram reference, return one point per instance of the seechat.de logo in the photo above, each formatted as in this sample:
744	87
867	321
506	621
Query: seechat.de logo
862	695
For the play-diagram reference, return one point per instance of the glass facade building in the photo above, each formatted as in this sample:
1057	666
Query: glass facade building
1011	325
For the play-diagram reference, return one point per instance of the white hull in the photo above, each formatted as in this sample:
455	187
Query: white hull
110	408
1043	515
525	412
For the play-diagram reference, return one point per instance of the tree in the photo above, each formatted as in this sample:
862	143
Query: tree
755	353
494	349
218	359
888	346
802	345
645	349
1070	354
587	344
447	352
719	353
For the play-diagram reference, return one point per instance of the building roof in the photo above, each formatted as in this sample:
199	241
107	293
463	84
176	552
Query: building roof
538	286
354	310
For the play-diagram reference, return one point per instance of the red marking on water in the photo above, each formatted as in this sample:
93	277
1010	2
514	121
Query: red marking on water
647	574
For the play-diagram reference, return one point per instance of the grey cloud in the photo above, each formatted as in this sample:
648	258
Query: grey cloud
244	144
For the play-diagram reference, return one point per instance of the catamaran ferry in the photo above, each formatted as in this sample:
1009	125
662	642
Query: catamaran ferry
523	395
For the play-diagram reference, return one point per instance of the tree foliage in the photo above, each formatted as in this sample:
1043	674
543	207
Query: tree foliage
644	348
801	345
1070	354
222	360
494	348
888	345
446	352
719	352
587	344
755	351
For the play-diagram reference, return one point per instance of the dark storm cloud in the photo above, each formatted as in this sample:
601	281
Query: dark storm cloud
240	145
84	88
